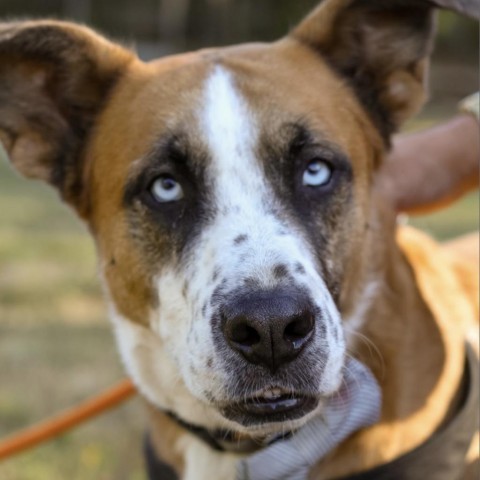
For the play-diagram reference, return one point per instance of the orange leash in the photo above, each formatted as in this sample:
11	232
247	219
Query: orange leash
50	428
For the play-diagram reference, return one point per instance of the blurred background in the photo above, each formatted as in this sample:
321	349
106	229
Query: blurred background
56	346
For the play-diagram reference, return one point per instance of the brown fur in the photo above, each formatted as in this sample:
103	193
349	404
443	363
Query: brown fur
92	108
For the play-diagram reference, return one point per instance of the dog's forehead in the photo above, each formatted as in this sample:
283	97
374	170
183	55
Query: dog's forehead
276	84
281	77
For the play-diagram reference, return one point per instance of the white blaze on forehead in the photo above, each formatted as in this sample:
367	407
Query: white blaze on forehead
240	188
231	132
227	121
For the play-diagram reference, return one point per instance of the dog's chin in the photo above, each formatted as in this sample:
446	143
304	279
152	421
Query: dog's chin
270	412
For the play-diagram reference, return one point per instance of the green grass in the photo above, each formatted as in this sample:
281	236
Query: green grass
56	347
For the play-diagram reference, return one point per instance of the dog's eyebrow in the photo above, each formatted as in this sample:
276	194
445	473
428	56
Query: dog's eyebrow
303	136
298	135
171	150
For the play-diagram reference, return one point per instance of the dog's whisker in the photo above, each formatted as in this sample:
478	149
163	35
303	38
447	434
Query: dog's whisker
372	348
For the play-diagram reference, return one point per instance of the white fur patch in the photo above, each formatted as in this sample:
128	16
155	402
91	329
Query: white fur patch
203	463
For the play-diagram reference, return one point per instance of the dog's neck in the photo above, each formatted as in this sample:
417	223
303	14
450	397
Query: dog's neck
418	383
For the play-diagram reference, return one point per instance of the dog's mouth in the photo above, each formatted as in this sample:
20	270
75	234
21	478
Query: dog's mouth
270	405
272	401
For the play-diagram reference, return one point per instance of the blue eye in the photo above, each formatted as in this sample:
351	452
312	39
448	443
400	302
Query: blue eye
317	173
166	189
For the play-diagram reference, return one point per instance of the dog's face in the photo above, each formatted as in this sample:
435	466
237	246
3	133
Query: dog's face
229	193
235	204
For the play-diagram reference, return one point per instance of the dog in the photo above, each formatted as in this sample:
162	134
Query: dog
261	292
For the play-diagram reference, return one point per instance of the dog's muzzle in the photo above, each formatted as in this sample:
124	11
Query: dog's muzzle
266	335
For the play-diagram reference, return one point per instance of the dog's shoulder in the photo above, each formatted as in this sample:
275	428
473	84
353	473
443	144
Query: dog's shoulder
447	275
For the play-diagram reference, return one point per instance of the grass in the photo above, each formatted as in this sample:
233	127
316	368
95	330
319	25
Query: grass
56	347
46	368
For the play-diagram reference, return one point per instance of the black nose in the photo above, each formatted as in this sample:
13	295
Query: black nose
269	328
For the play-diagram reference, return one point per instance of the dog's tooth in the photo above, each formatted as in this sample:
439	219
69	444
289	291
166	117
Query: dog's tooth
272	393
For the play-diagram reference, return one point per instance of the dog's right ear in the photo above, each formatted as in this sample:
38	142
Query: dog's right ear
54	79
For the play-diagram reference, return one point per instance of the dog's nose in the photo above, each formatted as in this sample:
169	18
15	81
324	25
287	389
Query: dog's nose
269	328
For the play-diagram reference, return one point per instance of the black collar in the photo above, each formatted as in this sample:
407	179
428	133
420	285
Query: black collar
441	457
227	441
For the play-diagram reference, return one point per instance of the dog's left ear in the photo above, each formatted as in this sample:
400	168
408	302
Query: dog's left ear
380	47
55	78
